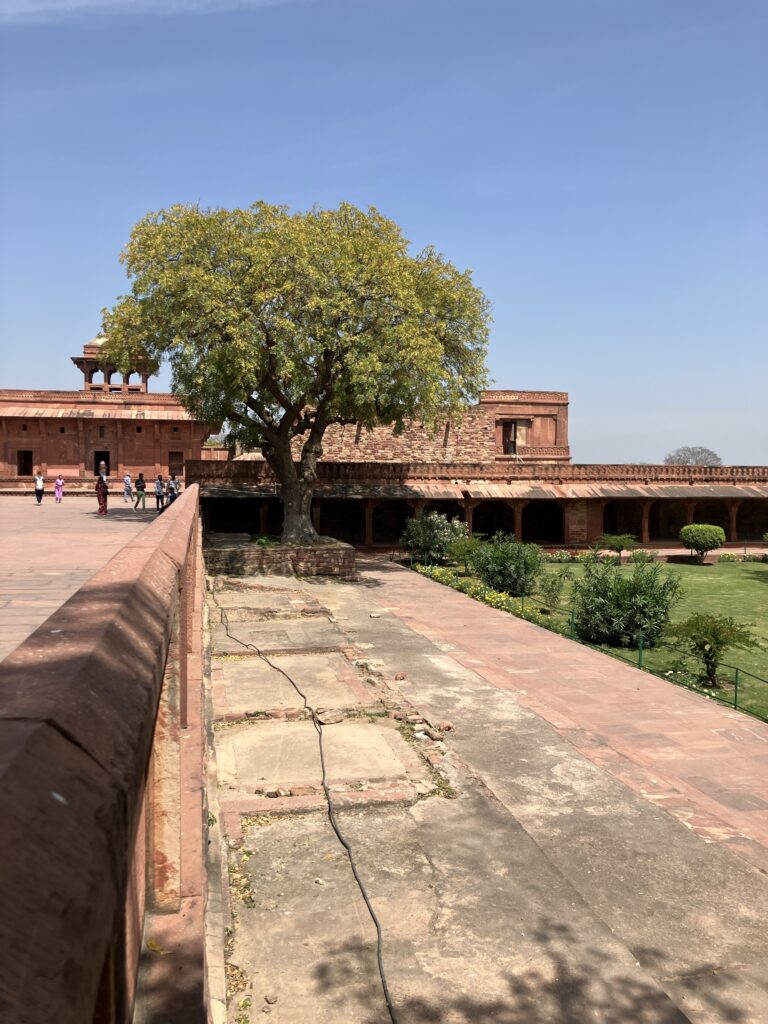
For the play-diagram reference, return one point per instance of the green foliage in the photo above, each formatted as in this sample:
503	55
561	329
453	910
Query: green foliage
727	556
700	538
558	556
615	608
281	324
509	566
463	550
551	587
709	637
428	538
618	542
765	538
642	557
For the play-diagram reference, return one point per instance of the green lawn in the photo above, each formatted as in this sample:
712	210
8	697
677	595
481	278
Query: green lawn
739	589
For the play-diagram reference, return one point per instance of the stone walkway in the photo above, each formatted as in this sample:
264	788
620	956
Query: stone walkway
49	551
523	865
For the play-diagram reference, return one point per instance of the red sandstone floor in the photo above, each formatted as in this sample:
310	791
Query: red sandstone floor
49	551
702	762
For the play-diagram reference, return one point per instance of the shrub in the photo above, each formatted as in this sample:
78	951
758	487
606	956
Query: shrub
709	637
427	537
618	542
700	538
765	538
641	557
614	608
558	556
551	587
727	556
506	565
463	550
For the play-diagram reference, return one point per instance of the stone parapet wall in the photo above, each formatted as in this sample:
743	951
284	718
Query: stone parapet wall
85	841
257	472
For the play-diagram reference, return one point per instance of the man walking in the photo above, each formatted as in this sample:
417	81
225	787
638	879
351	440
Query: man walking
159	493
141	487
127	489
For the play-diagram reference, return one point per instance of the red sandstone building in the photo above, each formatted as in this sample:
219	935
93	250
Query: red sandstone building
112	418
506	466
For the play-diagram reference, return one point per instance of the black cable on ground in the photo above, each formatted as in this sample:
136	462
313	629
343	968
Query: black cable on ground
329	803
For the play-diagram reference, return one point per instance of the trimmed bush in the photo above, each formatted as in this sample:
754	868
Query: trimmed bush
709	636
506	565
616	609
700	538
428	537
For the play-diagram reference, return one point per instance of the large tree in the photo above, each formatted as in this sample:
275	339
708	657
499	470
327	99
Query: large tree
283	323
693	456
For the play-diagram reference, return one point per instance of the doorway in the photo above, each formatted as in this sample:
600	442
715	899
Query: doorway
176	463
24	463
99	457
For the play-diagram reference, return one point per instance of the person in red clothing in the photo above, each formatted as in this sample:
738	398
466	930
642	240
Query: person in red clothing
101	494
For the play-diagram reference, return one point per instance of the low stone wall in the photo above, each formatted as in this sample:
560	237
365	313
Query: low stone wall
84	839
233	555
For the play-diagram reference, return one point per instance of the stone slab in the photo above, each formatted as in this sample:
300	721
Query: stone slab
266	603
245	686
284	637
268	755
477	926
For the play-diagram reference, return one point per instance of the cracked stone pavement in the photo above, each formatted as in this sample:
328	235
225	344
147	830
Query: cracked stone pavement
516	879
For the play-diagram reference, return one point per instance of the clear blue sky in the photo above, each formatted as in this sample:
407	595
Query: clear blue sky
601	165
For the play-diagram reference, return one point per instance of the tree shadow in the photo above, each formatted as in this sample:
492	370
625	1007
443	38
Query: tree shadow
569	983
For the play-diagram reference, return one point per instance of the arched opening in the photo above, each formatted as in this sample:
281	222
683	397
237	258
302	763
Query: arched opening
96	378
342	520
623	516
450	509
752	519
543	522
666	519
493	517
127	377
389	519
273	519
713	512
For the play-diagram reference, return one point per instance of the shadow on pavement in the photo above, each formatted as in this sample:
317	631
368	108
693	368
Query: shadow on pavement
570	984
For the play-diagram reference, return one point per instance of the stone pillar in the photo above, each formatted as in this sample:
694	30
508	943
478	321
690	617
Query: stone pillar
517	505
370	505
690	511
263	517
469	504
119	467
81	446
158	463
733	511
575	521
645	518
315	514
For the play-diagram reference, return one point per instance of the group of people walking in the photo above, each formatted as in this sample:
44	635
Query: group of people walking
165	491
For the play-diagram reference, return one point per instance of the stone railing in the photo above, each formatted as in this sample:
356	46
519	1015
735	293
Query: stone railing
93	706
258	474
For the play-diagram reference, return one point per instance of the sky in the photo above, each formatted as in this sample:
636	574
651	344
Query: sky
600	165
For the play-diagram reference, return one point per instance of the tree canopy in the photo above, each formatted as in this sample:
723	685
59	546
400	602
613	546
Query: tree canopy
283	323
693	456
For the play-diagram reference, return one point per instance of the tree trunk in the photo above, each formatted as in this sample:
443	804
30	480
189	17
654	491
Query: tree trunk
297	503
297	484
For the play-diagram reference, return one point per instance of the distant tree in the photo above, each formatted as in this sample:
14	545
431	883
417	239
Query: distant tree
693	456
282	324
